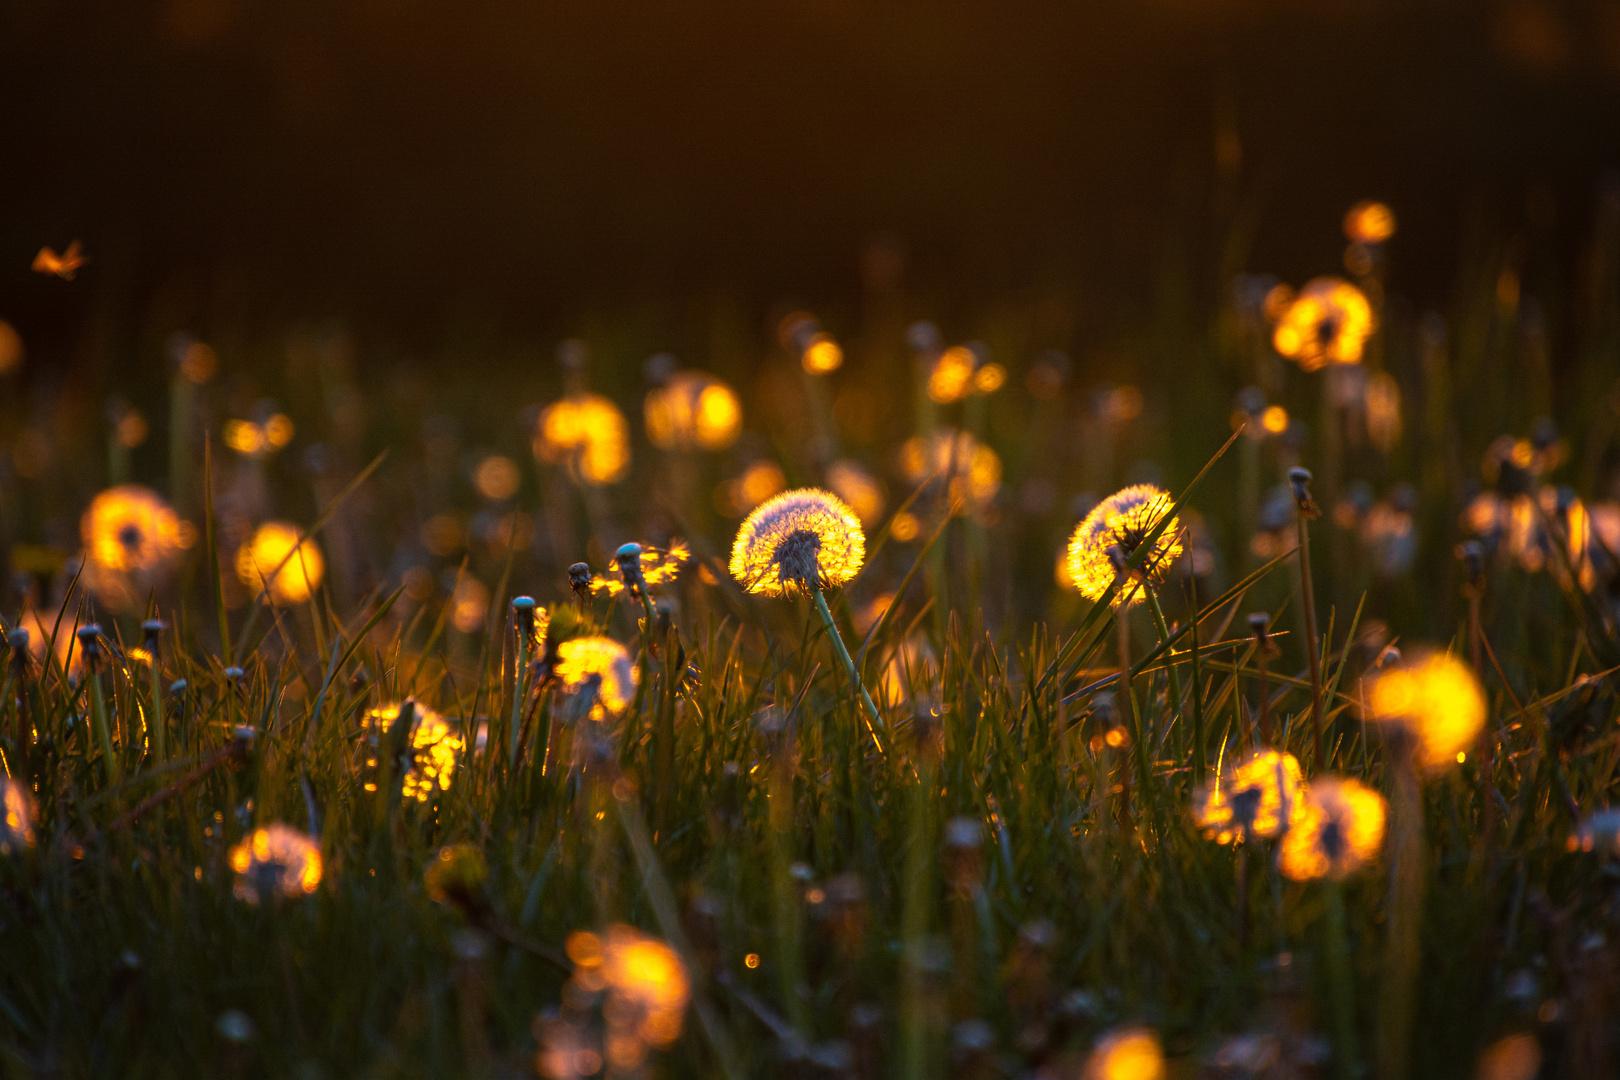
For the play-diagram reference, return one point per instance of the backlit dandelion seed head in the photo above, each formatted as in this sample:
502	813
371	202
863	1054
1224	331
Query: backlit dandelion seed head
659	566
1123	520
16	817
130	529
588	434
1327	323
275	861
1436	698
692	411
1338	830
797	541
601	667
1127	1054
276	545
1259	797
432	748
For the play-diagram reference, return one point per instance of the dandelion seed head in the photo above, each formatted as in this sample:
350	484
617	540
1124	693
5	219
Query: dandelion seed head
797	541
1327	323
1339	829
601	667
692	411
274	861
130	529
1123	521
1259	797
588	434
432	748
1437	699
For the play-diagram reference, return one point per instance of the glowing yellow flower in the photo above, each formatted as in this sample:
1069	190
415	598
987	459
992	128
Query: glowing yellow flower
1328	323
646	981
432	747
658	567
1338	830
600	667
130	529
858	488
17	826
1123	520
1261	797
1369	222
797	541
275	861
693	411
274	554
589	435
973	470
1435	697
1127	1054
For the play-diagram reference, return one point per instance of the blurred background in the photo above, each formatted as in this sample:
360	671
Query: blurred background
383	218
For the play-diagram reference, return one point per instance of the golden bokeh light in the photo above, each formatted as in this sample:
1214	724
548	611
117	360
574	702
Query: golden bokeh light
1514	1057
1327	323
1260	797
252	439
1338	830
692	411
1369	222
797	541
16	817
497	477
588	435
1127	1054
600	667
759	481
858	488
1274	420
275	861
971	469
822	355
1436	698
1123	520
469	605
11	348
276	545
131	529
952	376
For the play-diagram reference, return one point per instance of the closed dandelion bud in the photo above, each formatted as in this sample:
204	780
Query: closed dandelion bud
1260	626
628	559
579	579
964	862
523	616
234	676
17	640
90	643
151	632
1299	479
1472	554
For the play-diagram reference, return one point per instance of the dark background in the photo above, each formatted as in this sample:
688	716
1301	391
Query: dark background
420	168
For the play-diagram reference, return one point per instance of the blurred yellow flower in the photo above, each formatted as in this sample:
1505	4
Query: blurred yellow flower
1437	699
275	861
431	745
1123	520
858	488
293	570
588	434
1127	1054
1338	830
659	566
1260	797
600	667
797	541
972	469
692	411
1369	222
130	529
17	824
1327	323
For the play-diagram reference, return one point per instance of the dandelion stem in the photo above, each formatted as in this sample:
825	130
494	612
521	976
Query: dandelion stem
1163	626
1200	766
1312	652
1338	965
1138	736
98	709
874	720
1405	906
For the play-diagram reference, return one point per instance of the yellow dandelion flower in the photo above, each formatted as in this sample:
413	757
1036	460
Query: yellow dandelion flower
600	667
1260	797
17	824
1338	830
798	541
1437	699
1327	323
1123	520
659	566
292	569
130	529
588	434
275	861
1369	222
432	748
692	411
1126	1054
